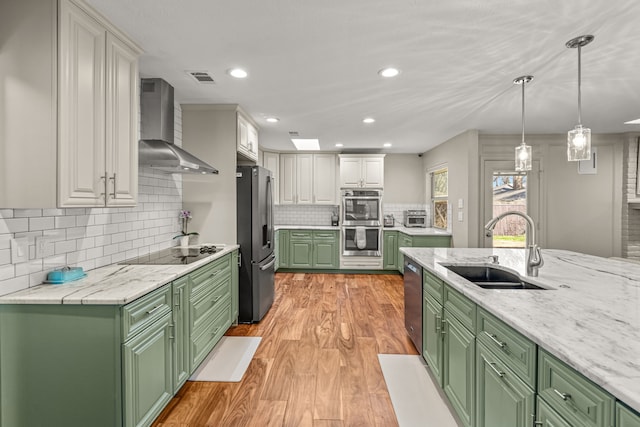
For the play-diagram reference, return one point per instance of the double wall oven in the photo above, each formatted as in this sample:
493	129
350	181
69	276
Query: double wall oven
361	223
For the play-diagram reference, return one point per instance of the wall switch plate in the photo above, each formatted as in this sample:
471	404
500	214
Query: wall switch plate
19	250
460	216
460	203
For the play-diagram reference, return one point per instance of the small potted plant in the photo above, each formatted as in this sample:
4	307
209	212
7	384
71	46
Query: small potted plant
185	216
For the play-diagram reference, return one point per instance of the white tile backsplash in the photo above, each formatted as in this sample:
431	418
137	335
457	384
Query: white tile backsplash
397	210
303	214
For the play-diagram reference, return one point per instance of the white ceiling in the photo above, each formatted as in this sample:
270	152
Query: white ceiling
314	64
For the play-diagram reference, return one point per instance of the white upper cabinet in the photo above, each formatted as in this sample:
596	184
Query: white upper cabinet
247	138
324	179
308	179
83	96
271	161
361	171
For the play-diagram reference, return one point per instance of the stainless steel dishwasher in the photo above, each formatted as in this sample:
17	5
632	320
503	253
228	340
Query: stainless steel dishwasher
413	301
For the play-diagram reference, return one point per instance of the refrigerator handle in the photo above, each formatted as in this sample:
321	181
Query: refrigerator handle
269	213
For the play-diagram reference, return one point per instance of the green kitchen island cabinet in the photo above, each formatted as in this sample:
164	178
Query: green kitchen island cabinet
449	343
106	364
390	252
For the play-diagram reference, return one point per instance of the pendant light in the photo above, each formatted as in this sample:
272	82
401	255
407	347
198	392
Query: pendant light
579	138
523	151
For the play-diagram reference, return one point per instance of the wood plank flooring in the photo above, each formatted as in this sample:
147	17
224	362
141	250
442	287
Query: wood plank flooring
317	363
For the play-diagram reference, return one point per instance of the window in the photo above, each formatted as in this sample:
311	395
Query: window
509	194
439	197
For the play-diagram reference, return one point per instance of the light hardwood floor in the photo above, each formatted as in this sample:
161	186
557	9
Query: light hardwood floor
317	363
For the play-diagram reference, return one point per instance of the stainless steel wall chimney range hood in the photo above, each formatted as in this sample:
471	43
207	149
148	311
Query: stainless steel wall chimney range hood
156	147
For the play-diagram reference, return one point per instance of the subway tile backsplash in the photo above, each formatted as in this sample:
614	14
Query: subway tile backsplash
303	214
92	237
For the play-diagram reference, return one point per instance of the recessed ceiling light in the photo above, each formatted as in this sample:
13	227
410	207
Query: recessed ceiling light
368	120
389	72
306	144
339	144
633	122
387	144
272	119
238	73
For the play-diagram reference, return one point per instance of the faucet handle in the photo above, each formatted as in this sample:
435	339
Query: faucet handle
488	233
493	259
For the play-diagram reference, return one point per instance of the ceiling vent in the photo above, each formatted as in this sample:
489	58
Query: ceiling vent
293	133
201	77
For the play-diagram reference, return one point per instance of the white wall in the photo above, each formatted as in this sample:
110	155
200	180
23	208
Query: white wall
403	179
209	132
460	156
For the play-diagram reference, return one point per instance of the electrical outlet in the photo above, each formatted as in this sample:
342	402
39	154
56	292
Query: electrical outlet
44	247
19	250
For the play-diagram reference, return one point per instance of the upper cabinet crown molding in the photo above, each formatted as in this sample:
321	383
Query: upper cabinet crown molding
72	83
361	170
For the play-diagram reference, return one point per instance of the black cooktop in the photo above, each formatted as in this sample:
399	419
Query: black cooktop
174	256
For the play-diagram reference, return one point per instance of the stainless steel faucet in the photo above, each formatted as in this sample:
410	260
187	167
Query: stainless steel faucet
534	256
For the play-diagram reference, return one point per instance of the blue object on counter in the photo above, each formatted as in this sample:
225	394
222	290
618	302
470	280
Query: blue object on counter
64	275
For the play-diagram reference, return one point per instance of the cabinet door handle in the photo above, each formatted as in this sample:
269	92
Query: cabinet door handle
444	324
104	179
113	178
214	274
563	396
154	309
216	299
495	340
438	324
493	367
215	331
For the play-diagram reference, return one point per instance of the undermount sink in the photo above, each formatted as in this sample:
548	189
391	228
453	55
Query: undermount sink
488	277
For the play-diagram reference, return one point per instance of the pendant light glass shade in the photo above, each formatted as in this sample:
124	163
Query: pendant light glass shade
523	152
579	138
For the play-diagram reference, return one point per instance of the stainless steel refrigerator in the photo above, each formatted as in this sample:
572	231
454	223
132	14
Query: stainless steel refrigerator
255	237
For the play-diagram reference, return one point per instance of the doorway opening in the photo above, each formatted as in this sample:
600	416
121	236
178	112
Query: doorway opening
509	194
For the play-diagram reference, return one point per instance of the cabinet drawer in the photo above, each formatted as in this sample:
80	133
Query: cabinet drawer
325	235
300	234
206	303
142	312
209	273
548	417
461	307
516	351
433	285
573	396
202	343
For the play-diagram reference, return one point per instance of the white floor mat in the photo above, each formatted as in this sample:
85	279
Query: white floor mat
228	361
413	394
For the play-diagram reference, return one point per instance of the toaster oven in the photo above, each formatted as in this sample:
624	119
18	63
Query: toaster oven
415	218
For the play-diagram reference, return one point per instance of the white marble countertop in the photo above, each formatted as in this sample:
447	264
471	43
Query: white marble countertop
110	285
306	227
590	318
417	231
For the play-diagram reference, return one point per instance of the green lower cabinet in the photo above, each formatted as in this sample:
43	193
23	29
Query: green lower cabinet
404	241
235	290
625	417
181	327
458	369
325	254
432	343
502	399
148	373
282	252
390	250
300	253
547	417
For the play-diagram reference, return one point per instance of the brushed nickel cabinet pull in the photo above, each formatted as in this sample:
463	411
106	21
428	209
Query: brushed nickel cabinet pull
154	309
563	396
492	365
113	178
495	340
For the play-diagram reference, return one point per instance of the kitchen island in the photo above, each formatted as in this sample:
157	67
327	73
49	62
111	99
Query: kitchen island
587	317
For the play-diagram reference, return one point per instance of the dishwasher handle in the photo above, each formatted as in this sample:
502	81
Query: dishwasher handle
412	267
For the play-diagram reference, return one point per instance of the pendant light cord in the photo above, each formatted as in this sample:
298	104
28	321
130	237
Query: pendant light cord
523	83
579	84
